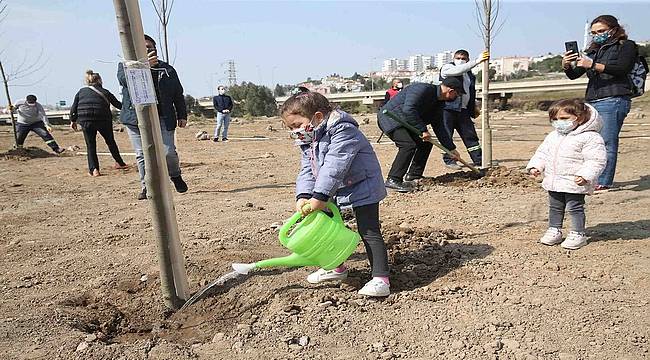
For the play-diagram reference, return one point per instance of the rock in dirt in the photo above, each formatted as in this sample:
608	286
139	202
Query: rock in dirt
91	337
303	341
82	346
457	345
510	344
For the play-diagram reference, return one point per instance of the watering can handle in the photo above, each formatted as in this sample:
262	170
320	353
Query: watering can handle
284	230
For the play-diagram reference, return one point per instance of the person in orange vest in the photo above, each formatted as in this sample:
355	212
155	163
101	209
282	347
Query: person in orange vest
390	93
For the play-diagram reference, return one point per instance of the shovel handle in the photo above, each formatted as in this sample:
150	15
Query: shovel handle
417	132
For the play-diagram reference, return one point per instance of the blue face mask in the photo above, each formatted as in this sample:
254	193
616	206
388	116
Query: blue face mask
601	38
564	126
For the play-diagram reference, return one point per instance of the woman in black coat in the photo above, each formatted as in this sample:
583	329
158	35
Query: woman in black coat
607	62
91	109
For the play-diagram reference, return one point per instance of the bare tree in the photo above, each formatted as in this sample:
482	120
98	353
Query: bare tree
163	9
22	70
487	14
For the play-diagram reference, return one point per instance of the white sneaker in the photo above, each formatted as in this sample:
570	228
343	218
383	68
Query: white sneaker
375	287
326	275
552	236
574	241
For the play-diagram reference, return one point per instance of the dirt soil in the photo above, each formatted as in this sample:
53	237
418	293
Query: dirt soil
79	272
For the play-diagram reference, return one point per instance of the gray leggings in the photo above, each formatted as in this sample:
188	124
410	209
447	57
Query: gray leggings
574	205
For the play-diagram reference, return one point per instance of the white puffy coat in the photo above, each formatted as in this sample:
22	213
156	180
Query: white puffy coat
564	157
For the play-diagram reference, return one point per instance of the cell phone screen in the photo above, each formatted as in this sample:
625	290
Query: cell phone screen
572	46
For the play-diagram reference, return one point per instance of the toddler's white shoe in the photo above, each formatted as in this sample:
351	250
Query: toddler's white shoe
375	288
552	236
574	241
326	275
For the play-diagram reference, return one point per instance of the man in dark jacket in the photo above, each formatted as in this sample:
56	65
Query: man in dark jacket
171	110
419	105
222	107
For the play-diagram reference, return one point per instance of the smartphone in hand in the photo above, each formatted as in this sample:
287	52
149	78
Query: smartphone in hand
572	46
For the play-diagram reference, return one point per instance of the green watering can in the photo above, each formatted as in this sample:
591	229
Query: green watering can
315	240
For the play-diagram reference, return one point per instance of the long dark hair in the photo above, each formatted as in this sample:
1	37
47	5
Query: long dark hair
617	31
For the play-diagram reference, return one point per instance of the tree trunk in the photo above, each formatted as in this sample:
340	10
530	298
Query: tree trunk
173	278
11	110
486	131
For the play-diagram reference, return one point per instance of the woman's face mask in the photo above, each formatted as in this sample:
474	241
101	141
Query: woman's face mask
599	36
460	61
564	126
399	85
222	91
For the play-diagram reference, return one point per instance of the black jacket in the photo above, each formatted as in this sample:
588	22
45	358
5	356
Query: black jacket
88	105
418	105
222	102
169	92
619	58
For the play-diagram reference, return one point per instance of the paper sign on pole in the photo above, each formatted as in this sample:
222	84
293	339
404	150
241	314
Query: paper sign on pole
140	85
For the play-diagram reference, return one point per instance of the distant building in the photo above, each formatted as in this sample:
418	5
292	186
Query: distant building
389	65
415	63
506	66
402	65
444	57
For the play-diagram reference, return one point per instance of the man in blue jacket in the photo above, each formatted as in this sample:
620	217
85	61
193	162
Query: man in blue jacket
171	110
222	107
419	105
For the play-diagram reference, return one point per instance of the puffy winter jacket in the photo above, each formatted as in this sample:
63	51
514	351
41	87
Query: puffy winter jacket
88	105
340	164
579	153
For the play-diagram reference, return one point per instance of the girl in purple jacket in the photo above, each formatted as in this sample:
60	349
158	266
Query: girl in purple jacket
338	164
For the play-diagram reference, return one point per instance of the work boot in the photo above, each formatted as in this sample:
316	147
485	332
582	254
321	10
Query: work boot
180	185
453	165
398	186
143	194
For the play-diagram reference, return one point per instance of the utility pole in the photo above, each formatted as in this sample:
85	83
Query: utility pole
9	105
173	278
232	73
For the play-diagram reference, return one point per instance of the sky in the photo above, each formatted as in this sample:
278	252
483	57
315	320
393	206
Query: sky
281	41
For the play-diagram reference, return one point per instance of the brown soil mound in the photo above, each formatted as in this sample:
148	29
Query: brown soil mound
24	154
500	176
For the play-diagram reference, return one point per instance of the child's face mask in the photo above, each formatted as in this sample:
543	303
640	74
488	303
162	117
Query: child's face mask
564	126
304	134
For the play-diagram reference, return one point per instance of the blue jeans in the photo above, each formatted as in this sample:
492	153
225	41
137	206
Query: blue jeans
171	156
613	111
462	123
223	120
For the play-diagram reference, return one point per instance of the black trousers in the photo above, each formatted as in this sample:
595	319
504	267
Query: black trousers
462	123
105	129
412	154
370	230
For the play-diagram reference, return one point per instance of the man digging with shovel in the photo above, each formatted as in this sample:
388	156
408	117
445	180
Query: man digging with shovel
404	120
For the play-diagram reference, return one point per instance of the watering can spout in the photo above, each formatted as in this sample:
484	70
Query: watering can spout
293	260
